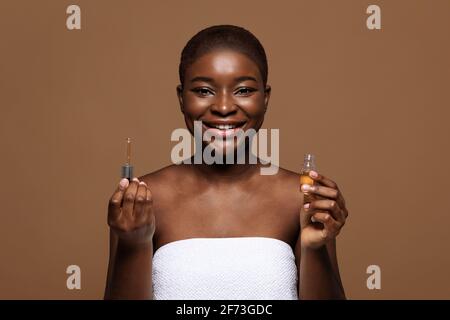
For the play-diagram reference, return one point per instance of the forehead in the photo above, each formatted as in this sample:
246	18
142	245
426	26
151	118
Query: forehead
223	63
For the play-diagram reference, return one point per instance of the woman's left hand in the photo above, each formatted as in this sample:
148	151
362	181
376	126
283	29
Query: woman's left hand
322	219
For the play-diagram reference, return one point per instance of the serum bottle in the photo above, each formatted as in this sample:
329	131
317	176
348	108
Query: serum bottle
308	165
127	168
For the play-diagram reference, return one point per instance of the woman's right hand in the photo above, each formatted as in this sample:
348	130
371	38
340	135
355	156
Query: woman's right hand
130	213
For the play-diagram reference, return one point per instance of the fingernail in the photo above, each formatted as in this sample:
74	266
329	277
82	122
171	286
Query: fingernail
135	179
142	183
306	187
123	183
306	205
313	174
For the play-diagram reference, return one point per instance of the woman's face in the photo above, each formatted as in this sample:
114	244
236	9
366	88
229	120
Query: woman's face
223	89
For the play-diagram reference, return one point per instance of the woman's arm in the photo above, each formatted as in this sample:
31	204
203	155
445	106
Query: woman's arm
131	277
139	265
112	258
132	225
318	275
321	220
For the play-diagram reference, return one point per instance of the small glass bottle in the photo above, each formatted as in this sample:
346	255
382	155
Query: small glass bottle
308	165
127	168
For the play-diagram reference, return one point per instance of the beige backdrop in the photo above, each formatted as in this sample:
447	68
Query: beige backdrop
373	107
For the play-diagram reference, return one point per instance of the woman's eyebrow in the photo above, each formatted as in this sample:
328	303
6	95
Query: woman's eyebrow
201	78
243	78
211	80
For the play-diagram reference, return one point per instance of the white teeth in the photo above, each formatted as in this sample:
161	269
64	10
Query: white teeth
224	126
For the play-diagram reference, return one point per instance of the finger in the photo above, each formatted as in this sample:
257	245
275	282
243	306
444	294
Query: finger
129	197
323	191
331	206
139	202
115	202
330	226
306	214
345	213
329	189
146	216
320	178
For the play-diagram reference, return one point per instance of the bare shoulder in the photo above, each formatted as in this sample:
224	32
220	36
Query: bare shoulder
285	186
159	176
168	178
287	181
286	195
288	176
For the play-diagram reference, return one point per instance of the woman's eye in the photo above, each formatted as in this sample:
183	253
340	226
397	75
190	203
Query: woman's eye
202	91
245	91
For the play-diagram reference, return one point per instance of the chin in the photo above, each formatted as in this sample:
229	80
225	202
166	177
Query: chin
226	149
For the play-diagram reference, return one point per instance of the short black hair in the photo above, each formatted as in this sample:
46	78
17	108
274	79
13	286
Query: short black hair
227	37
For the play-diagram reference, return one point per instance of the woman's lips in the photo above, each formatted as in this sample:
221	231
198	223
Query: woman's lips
223	129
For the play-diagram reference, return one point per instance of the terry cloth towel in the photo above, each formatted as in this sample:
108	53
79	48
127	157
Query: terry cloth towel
237	268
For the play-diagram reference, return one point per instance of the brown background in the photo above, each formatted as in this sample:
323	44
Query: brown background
371	105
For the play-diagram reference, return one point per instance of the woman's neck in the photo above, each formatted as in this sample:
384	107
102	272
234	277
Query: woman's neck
226	172
244	166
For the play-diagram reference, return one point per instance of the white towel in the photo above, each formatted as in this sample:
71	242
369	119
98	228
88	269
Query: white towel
239	268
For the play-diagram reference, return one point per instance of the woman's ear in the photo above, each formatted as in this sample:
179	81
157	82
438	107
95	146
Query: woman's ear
267	96
180	96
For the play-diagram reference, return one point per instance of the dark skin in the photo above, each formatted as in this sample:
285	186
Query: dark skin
223	86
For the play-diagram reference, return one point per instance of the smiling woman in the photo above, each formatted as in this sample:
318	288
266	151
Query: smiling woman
224	70
224	231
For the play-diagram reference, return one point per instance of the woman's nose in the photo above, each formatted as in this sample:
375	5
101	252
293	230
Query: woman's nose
224	105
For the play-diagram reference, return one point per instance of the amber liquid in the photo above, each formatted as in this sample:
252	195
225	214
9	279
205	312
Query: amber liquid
306	179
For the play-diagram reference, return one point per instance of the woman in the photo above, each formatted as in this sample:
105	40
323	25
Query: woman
224	231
